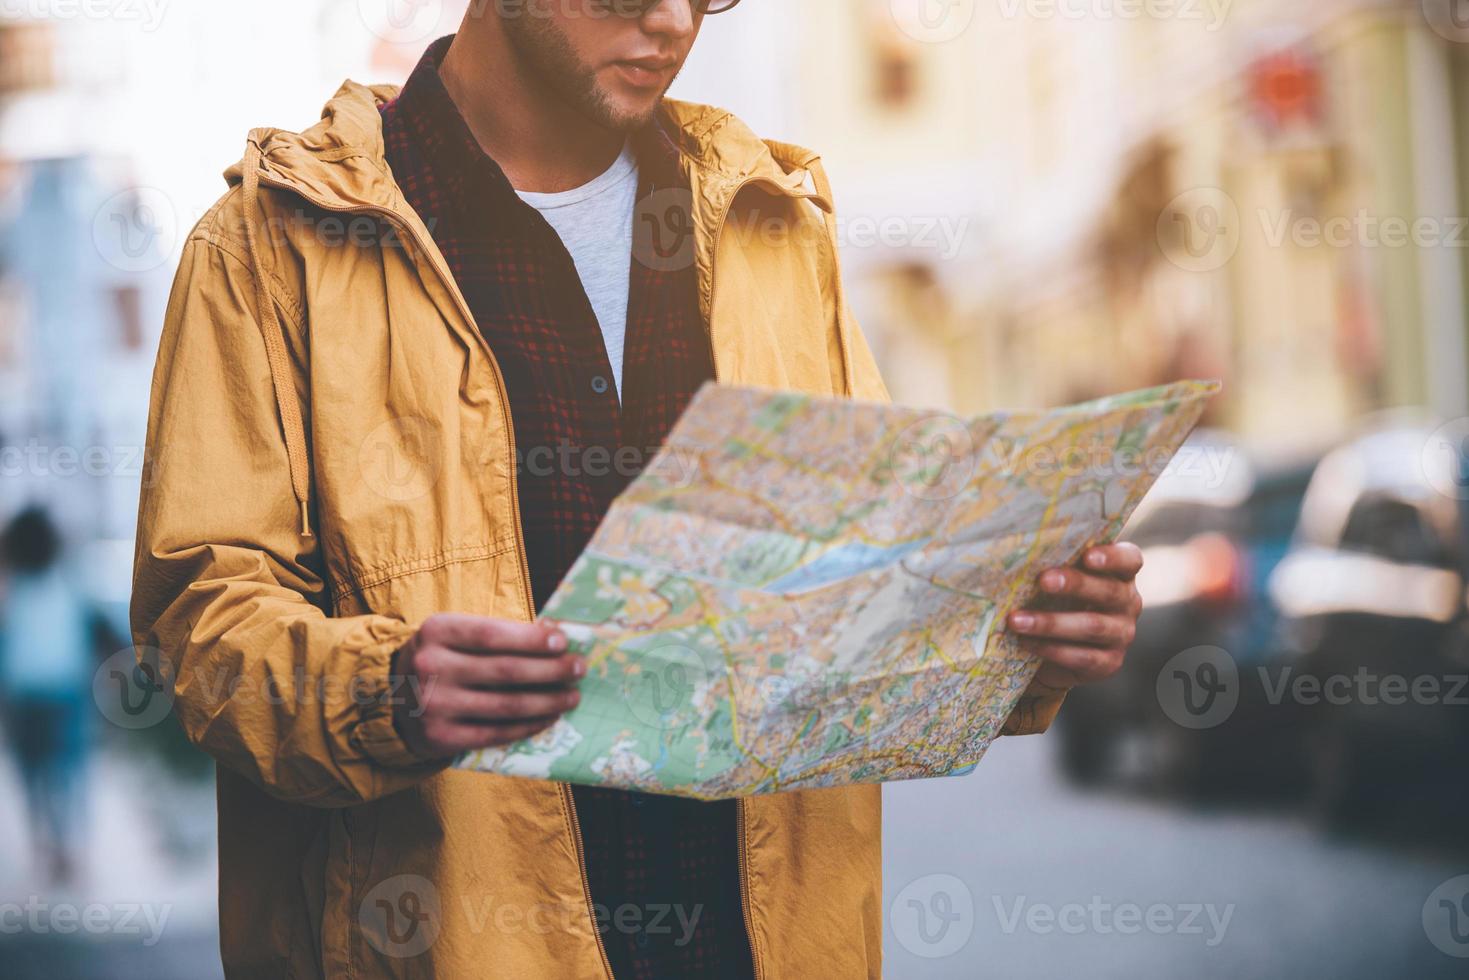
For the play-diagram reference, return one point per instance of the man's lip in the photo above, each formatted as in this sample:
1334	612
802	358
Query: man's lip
649	64
645	74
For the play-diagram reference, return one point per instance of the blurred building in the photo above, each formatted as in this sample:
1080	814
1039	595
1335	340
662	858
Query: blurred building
1039	200
1262	190
82	286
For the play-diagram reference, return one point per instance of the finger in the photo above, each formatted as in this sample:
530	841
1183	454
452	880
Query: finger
1091	628
1091	589
1122	561
1088	665
501	707
469	737
517	672
482	635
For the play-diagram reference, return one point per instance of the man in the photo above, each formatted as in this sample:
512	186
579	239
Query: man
342	516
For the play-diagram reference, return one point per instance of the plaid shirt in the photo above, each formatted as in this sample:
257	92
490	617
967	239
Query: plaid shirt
656	861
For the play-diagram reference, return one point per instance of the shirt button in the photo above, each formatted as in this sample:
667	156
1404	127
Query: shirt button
642	940
599	385
637	799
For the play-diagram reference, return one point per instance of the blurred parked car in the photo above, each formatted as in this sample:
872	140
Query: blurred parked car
1212	531
1372	604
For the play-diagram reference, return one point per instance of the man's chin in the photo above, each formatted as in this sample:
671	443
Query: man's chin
629	115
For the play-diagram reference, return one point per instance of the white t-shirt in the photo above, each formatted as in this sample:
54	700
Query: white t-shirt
595	222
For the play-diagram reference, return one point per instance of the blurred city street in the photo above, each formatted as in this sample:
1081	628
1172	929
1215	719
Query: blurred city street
1037	203
1286	901
148	860
1256	893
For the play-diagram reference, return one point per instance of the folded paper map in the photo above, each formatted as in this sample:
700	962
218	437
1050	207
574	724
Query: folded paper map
804	592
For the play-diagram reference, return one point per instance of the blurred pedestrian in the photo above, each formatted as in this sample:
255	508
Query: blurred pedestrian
45	674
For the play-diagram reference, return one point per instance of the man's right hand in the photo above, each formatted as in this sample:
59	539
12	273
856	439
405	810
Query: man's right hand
475	683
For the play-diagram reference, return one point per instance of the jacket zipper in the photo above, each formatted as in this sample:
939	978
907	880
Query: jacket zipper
586	881
740	818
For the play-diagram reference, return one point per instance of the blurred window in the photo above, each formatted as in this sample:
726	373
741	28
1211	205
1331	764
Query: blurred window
27	56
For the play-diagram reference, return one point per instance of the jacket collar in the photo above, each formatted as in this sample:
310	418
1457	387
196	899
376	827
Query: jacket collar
340	164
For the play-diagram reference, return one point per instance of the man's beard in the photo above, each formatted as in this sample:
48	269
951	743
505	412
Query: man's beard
548	56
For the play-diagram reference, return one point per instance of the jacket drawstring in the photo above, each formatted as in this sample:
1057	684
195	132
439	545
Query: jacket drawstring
273	334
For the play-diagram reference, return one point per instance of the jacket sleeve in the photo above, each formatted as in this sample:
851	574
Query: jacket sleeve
852	359
226	588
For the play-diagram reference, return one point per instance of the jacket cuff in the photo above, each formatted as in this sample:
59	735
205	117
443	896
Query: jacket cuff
377	693
1036	711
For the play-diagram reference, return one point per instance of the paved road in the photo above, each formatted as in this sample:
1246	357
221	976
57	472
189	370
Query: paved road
1006	874
148	883
1010	874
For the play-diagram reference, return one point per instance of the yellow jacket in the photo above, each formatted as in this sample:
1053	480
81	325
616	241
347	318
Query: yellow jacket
332	461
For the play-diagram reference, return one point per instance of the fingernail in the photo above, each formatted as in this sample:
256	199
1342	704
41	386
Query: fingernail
1097	559
579	668
1022	621
556	642
1053	581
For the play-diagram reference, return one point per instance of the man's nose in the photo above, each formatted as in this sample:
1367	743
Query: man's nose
672	17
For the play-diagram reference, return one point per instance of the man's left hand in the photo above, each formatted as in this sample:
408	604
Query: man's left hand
1085	639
